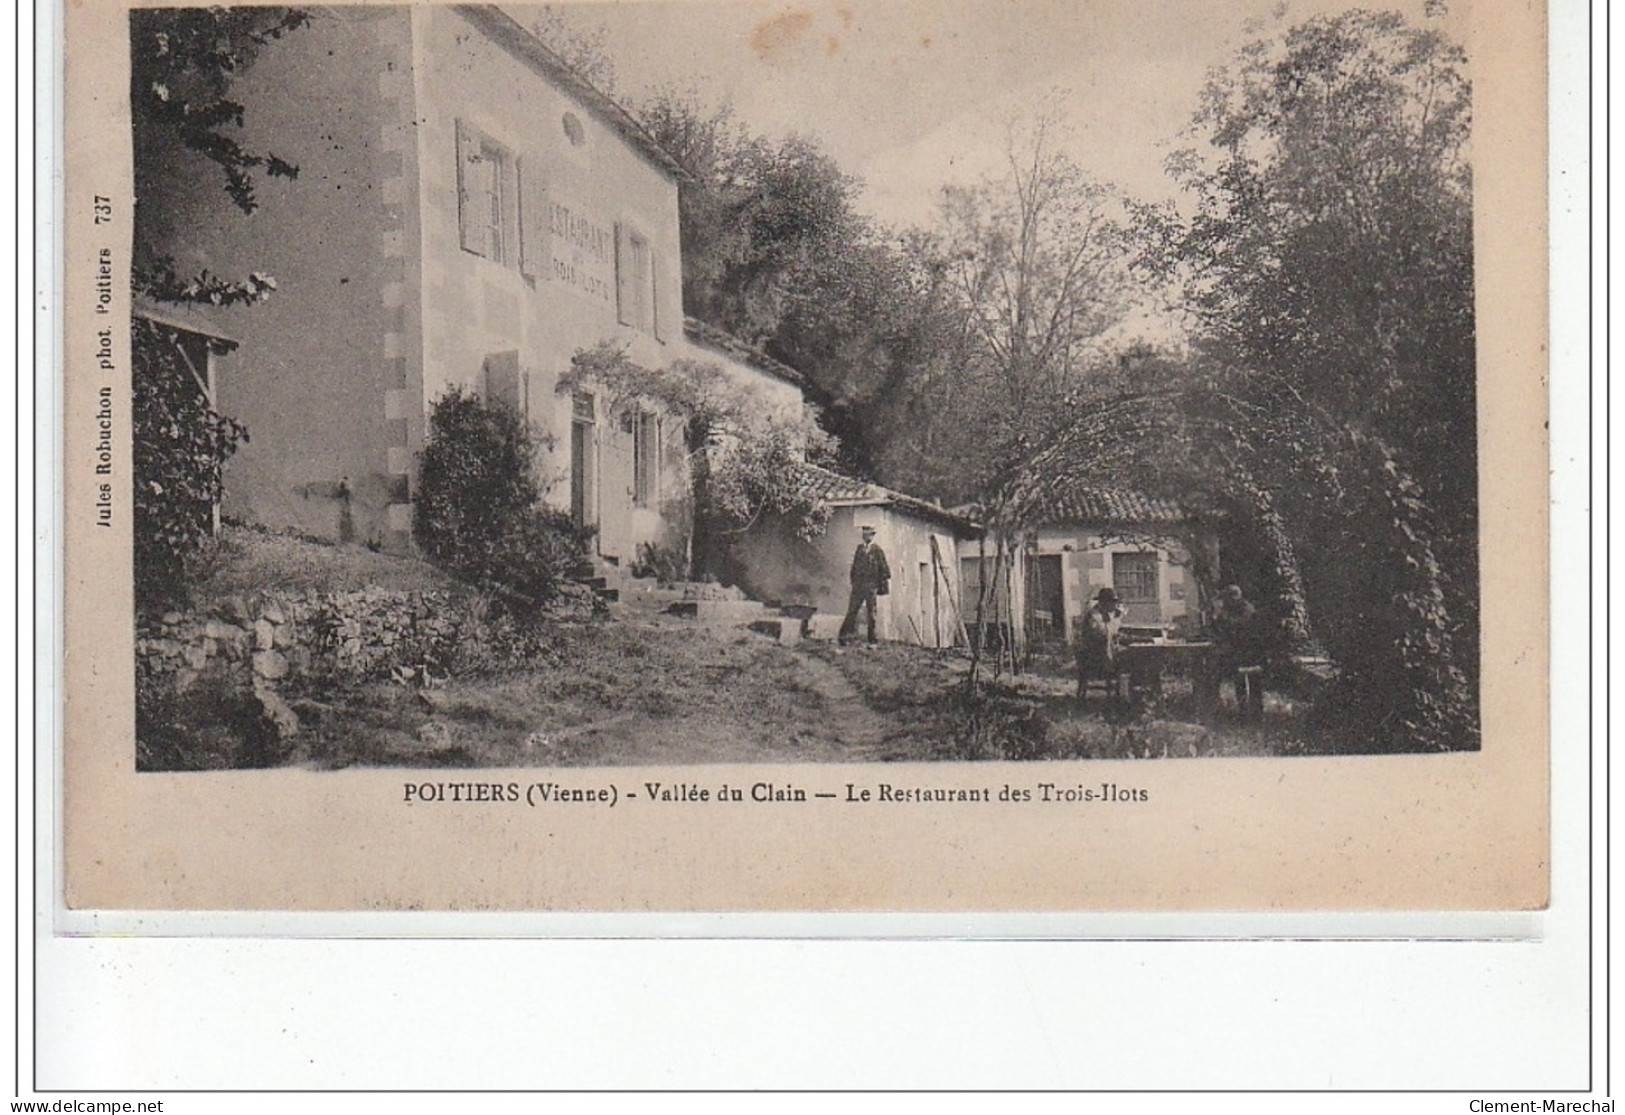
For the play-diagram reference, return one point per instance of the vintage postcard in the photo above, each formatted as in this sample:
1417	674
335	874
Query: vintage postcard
932	457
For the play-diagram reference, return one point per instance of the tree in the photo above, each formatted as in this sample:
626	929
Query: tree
477	511
1329	399
182	64
776	253
756	216
178	452
581	46
1331	246
1023	276
1039	265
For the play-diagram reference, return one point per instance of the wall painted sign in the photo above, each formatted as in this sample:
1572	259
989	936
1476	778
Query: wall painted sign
583	252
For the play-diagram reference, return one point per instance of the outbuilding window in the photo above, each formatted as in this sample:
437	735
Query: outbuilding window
1134	576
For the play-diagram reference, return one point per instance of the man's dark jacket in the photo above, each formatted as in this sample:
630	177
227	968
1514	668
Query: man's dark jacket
869	569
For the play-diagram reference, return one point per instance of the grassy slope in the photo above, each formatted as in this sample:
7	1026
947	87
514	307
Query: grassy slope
644	688
253	561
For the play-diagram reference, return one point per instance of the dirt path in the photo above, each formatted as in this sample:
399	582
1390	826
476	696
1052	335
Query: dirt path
642	690
860	730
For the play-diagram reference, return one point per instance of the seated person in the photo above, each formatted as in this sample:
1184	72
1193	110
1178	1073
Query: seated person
1098	635
1237	646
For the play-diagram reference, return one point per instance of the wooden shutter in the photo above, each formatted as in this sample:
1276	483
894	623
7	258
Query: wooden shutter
625	302
533	225
502	378
474	226
656	290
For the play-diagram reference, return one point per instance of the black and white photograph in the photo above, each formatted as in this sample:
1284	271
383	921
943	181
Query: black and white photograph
661	384
761	544
885	456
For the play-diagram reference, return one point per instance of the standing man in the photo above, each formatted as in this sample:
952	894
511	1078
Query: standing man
871	577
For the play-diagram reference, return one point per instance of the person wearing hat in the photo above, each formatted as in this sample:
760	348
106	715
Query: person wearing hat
1237	648
1097	643
871	577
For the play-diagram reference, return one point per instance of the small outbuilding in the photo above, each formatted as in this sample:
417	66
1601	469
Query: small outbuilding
921	541
1079	542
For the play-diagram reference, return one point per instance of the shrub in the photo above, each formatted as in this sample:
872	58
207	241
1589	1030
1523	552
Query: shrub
667	564
477	513
180	447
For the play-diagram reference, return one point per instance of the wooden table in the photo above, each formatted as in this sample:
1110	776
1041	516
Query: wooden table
1145	663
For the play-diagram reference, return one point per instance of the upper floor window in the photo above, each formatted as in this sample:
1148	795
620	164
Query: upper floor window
487	193
637	288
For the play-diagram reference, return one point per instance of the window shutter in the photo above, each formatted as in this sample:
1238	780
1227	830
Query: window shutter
475	229
502	382
533	226
655	291
625	304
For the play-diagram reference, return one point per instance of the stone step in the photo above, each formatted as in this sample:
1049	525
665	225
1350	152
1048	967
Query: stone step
730	612
649	593
824	627
801	613
784	630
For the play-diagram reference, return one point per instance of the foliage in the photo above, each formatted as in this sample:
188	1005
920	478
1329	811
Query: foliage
1331	246
477	506
182	64
180	445
745	459
1016	290
214	724
757	214
776	253
1037	263
158	280
579	44
1328	402
1350	538
667	564
1330	256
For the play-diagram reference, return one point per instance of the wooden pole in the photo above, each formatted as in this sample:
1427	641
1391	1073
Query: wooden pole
939	567
936	597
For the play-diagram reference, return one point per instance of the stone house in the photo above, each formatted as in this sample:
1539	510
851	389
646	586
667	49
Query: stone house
468	212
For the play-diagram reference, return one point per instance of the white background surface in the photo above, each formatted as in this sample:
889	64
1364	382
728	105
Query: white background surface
1476	1017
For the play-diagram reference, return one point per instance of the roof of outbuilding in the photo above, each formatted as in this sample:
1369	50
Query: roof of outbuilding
183	316
1061	505
845	491
1108	505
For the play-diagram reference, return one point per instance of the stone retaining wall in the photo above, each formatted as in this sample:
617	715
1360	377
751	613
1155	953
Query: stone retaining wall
292	643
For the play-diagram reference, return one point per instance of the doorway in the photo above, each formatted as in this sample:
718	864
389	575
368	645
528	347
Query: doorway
583	478
1046	603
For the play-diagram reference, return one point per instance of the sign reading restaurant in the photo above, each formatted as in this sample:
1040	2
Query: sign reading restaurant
583	252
